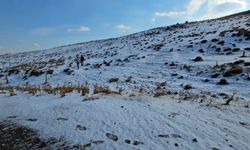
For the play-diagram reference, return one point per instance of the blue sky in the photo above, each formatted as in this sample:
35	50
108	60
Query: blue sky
40	24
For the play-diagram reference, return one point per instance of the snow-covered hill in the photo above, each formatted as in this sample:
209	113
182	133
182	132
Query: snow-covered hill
205	62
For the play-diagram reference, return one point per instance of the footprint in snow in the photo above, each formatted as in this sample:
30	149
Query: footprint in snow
86	145
134	142
62	119
127	141
173	115
169	136
81	128
31	119
97	142
137	143
111	136
11	117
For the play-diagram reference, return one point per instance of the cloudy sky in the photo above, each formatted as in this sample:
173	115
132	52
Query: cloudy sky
40	24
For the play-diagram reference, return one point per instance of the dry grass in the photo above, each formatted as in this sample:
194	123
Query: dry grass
5	89
160	93
100	89
31	89
84	90
49	89
63	90
106	90
12	92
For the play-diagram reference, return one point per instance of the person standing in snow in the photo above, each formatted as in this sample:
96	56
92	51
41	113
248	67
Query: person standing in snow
77	61
82	59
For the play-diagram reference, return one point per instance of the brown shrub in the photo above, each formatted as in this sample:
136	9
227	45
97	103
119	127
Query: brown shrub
247	63
233	71
198	58
188	86
50	71
36	72
204	41
113	80
84	90
49	89
13	71
11	91
160	93
3	89
32	89
68	71
238	62
223	82
221	43
65	89
129	79
100	89
215	40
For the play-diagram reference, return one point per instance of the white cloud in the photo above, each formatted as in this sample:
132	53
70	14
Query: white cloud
219	8
153	20
214	8
122	27
195	5
70	30
79	29
83	29
42	31
169	14
192	7
36	45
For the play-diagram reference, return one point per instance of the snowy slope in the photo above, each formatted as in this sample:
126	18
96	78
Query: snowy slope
159	55
154	123
158	62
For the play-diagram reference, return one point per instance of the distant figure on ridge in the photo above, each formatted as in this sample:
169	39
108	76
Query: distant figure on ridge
77	61
82	59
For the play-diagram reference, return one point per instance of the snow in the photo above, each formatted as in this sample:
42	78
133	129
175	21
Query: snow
136	114
136	118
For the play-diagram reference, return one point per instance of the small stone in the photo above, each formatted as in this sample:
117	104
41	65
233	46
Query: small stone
243	123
